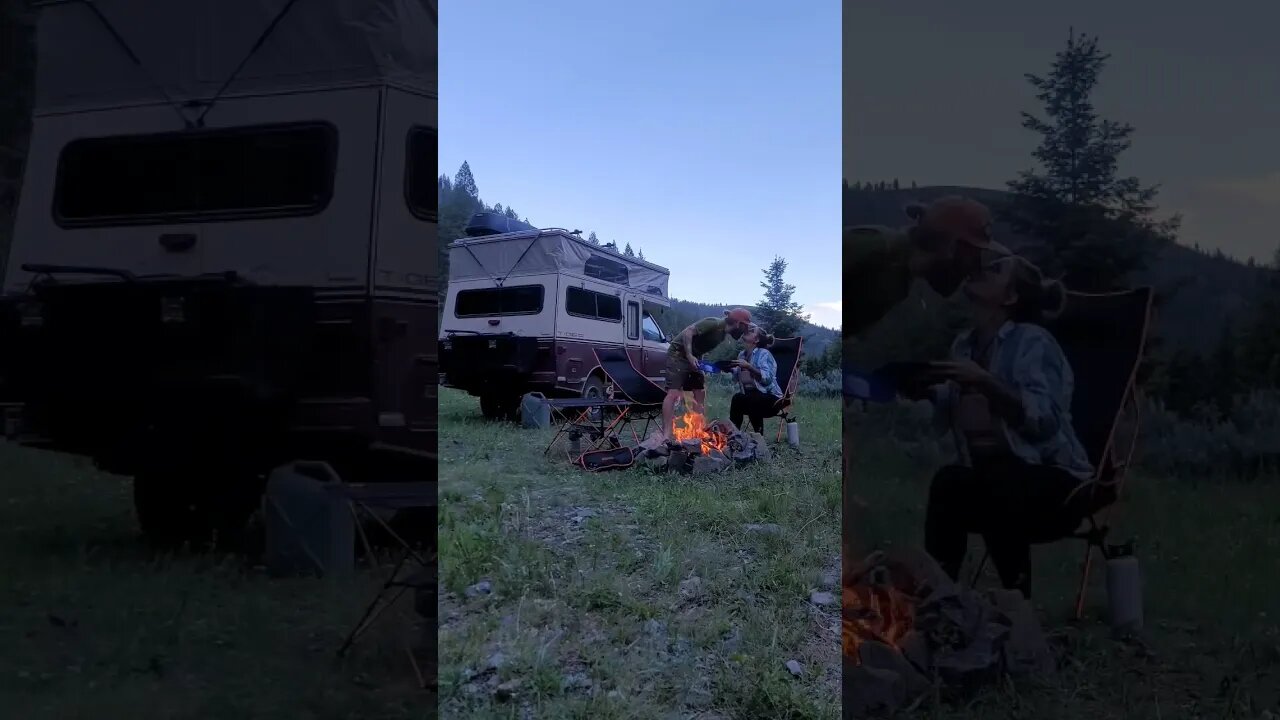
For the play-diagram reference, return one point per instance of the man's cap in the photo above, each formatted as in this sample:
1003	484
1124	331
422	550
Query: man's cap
739	315
958	217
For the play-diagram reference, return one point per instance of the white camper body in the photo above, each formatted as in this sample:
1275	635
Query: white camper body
228	213
547	299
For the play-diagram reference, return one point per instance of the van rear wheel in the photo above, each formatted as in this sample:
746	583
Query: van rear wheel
593	389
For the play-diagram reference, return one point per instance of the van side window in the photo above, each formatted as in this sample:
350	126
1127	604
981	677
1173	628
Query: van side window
492	302
421	191
651	330
581	302
223	174
633	321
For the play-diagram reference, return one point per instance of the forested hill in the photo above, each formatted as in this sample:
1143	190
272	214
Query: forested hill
1201	289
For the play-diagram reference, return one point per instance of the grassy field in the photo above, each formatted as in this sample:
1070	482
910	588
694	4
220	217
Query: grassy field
94	626
630	594
1210	557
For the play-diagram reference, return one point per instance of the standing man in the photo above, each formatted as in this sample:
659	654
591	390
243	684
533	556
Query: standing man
943	247
687	348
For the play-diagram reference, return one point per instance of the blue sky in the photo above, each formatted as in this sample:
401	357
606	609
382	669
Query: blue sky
706	134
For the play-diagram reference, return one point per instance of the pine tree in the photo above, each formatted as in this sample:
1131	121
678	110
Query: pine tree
465	182
895	184
593	239
628	251
777	311
511	213
1099	225
640	254
497	208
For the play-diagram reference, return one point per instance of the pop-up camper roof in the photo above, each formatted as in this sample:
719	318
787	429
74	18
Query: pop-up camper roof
187	49
496	257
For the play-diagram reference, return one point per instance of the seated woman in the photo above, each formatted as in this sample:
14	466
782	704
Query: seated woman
1006	398
756	371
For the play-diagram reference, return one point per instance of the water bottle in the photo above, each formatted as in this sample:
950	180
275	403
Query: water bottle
793	433
1124	591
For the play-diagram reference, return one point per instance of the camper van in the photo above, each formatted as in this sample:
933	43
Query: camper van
224	253
526	308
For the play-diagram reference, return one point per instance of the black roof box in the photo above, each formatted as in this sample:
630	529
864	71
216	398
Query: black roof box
492	223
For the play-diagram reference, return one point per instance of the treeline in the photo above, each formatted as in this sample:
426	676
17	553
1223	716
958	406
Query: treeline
881	186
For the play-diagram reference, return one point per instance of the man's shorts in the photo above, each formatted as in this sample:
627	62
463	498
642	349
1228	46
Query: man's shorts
681	376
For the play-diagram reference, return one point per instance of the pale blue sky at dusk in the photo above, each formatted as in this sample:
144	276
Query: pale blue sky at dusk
706	134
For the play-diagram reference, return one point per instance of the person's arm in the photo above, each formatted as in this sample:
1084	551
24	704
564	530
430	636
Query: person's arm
1031	402
686	342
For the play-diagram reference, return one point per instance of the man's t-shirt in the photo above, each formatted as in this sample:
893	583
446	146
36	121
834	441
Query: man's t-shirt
707	333
877	276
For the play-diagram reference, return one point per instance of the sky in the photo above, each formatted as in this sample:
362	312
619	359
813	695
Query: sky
706	134
933	90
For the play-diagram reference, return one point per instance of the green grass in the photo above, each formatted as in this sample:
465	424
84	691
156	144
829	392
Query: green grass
630	594
1210	556
95	626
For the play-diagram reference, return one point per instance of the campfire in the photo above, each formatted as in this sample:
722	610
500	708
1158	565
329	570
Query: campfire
909	629
700	447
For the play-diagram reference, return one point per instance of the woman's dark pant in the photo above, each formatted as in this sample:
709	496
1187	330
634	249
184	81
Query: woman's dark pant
1010	503
755	405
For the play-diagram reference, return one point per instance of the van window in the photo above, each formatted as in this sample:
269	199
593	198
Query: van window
491	302
224	174
651	329
580	302
421	188
602	268
633	321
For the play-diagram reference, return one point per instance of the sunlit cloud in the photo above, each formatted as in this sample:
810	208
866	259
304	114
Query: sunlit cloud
826	314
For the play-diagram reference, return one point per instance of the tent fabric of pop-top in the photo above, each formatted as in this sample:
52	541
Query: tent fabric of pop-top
549	251
190	49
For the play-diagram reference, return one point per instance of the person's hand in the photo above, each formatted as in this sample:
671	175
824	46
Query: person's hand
964	372
695	366
741	364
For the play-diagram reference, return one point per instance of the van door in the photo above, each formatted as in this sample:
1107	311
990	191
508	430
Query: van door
655	344
631	328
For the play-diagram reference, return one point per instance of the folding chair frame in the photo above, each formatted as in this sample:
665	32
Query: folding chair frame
600	430
784	404
1110	474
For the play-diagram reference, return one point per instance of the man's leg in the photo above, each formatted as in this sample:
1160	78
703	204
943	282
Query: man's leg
669	413
700	401
675	371
737	409
948	517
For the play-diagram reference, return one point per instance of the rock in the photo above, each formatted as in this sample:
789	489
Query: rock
763	528
795	668
484	587
656	462
507	690
830	579
495	661
761	449
871	692
1026	650
655	628
916	650
691	587
708	465
885	657
822	599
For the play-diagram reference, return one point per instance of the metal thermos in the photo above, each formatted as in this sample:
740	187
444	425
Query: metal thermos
1124	592
793	433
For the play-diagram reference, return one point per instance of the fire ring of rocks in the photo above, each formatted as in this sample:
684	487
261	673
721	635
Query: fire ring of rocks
702	449
909	630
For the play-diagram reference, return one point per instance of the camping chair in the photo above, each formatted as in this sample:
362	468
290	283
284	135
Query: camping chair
1104	338
635	397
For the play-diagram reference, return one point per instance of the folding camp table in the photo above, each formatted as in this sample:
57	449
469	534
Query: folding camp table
576	415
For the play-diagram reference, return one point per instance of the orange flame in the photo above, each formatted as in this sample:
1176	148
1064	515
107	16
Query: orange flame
874	612
692	425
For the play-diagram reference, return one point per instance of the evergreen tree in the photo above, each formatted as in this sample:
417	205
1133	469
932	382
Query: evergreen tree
895	184
593	239
778	312
640	254
1099	225
913	184
511	213
628	251
465	182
